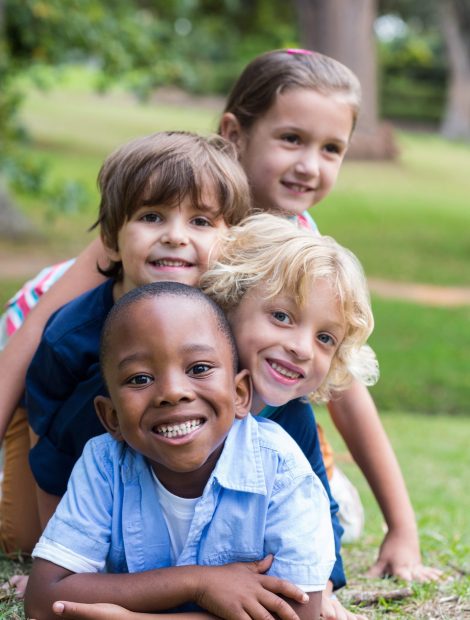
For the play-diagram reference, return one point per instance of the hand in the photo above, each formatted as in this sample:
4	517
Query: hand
107	611
332	609
94	611
17	583
241	591
399	556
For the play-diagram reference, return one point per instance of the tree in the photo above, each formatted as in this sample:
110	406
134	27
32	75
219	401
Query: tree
344	30
452	19
455	23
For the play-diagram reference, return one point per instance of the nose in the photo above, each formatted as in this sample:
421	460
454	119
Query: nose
300	346
175	233
308	163
172	389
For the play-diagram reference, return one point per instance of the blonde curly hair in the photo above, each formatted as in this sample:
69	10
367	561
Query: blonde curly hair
270	251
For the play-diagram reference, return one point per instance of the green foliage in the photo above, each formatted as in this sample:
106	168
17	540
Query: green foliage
413	75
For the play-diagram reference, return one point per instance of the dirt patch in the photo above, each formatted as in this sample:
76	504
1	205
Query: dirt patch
426	294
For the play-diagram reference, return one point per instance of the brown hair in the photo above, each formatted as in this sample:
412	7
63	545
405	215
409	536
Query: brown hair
274	72
166	167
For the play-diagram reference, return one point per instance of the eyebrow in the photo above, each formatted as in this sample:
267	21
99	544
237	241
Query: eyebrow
298	129
189	348
198	348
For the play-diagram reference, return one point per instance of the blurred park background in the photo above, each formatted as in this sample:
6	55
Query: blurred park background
79	77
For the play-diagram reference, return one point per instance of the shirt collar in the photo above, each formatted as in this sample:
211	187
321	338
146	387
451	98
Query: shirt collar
242	443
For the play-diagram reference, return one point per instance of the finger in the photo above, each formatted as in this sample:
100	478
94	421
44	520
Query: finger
280	608
284	588
261	566
403	572
339	612
376	570
79	611
426	573
327	609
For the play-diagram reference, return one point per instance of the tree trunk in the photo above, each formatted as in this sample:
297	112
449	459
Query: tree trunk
343	29
455	22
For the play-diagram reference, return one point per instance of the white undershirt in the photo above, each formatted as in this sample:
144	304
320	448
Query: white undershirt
178	513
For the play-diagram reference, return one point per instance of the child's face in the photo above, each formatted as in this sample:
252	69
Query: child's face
293	153
173	390
287	349
166	242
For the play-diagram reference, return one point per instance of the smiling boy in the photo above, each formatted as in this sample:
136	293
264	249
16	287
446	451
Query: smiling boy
166	496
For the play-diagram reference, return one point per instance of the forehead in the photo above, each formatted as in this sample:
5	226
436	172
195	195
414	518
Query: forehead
167	323
306	107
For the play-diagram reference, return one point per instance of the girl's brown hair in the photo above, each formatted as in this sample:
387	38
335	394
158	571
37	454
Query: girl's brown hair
277	71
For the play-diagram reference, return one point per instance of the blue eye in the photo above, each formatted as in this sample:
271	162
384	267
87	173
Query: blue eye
327	339
281	316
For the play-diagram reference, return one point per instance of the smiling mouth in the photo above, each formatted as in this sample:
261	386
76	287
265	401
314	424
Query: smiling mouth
178	430
295	187
285	372
170	262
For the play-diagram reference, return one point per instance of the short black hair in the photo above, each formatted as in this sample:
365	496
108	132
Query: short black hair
162	289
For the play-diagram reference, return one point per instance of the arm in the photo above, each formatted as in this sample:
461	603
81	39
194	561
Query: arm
107	611
298	419
17	354
232	591
358	422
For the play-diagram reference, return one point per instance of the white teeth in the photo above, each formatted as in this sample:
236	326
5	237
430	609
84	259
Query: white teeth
164	262
178	430
290	374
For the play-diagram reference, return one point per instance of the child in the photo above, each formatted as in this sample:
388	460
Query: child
155	505
164	201
291	115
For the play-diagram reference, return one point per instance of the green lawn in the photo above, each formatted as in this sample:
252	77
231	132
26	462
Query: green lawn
434	456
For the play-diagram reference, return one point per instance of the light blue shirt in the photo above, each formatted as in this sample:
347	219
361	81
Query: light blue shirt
262	497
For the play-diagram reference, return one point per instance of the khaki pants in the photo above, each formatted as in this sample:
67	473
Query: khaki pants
19	519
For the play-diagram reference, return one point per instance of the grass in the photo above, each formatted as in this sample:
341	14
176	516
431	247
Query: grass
423	362
433	453
407	220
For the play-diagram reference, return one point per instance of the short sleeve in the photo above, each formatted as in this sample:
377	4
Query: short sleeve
83	520
299	531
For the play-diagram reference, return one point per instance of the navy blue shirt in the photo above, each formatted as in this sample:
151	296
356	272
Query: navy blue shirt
62	381
297	418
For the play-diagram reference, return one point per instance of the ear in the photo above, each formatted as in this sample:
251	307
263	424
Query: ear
243	394
231	130
108	416
113	254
